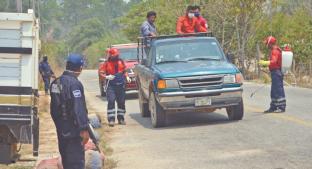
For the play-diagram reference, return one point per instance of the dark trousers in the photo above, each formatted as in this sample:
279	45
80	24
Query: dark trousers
46	81
278	100
116	93
72	153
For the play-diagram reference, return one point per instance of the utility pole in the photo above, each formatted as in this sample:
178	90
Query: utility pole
19	6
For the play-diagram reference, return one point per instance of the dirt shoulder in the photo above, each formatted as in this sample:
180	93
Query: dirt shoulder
48	147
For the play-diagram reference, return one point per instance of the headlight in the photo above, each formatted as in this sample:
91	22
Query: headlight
168	83
229	79
237	78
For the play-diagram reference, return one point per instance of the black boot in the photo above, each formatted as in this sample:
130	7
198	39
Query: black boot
111	123
270	110
121	120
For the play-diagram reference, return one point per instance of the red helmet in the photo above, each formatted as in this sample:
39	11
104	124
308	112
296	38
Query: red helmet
114	52
270	41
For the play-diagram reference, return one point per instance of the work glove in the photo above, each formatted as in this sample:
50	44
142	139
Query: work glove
264	63
110	77
128	79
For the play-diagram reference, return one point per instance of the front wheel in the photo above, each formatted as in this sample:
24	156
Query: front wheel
236	112
158	114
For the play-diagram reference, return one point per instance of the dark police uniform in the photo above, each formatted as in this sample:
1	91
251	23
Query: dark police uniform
69	113
46	73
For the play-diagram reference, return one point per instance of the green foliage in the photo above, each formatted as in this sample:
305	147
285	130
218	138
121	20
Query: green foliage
97	50
85	34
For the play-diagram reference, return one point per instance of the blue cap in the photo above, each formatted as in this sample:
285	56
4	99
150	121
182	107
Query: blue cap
76	60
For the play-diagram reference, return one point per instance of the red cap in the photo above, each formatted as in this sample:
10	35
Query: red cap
114	52
270	41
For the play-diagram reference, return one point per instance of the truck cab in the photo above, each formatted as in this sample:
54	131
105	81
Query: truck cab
19	48
188	73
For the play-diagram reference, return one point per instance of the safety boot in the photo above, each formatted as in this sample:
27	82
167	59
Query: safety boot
111	123
270	110
121	122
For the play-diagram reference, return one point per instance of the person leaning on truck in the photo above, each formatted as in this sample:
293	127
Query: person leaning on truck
69	113
189	23
46	73
278	100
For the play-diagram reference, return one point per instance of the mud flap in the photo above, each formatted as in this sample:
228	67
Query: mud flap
35	131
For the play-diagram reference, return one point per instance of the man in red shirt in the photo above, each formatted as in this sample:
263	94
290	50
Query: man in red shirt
278	100
202	21
114	70
189	23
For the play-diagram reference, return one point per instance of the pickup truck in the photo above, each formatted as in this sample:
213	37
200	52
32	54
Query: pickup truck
19	51
187	73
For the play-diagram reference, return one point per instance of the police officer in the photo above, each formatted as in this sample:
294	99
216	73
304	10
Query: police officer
46	73
69	113
114	70
278	100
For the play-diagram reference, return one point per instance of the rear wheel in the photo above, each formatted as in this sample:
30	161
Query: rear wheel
236	112
143	105
158	114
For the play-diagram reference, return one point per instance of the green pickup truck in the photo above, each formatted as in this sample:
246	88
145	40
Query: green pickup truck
187	73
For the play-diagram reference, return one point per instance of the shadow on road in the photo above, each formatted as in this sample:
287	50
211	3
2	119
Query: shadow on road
184	120
129	96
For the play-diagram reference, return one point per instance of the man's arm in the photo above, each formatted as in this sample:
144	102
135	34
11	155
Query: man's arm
199	27
179	26
79	106
80	111
145	30
274	57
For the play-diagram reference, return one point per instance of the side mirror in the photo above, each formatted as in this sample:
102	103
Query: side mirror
144	62
230	57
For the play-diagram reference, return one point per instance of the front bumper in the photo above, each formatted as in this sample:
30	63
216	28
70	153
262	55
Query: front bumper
220	98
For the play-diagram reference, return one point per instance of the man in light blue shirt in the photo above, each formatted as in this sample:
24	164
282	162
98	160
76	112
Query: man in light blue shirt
148	29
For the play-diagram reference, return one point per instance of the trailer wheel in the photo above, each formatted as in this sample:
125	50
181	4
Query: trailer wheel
236	112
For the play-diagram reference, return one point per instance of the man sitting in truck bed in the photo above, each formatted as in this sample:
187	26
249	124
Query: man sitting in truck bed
189	23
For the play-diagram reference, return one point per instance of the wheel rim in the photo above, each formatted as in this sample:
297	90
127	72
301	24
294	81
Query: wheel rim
153	109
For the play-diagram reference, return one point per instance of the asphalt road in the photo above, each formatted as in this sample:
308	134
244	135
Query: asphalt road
209	140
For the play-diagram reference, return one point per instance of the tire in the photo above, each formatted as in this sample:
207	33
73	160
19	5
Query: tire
236	112
158	115
143	105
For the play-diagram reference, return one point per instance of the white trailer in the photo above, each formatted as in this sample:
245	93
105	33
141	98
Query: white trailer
19	51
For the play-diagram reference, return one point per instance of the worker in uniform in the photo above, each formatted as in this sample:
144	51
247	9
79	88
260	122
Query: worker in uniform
69	113
278	100
189	23
114	70
46	73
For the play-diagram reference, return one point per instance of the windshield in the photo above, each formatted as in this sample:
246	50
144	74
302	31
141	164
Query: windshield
128	54
183	51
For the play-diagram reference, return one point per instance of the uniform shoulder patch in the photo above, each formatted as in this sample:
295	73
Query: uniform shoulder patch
77	93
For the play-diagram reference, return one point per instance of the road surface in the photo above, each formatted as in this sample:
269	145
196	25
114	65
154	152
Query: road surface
209	140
